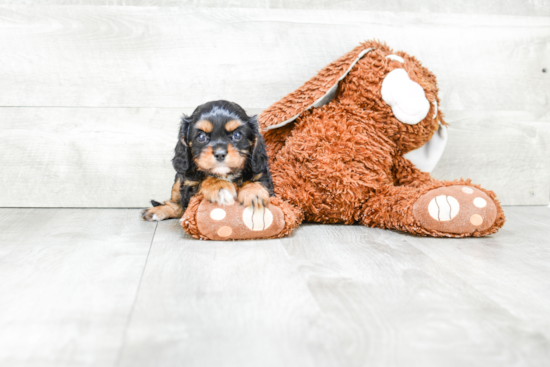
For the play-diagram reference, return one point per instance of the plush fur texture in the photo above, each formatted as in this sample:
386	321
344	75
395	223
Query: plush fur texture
343	162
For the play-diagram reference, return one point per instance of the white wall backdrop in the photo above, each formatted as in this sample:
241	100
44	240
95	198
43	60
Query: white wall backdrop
92	91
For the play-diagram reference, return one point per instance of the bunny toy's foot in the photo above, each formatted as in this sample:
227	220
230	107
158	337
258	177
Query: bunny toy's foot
457	210
206	220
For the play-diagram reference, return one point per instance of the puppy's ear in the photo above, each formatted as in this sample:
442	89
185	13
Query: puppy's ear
182	157
258	159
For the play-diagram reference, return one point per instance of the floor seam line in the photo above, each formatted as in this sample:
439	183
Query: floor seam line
131	313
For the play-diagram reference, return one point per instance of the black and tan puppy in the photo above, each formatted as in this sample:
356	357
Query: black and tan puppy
220	154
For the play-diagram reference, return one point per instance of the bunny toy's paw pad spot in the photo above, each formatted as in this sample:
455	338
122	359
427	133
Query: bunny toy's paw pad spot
217	214
257	219
225	231
443	208
455	209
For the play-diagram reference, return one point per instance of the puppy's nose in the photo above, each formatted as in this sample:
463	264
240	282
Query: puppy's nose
220	154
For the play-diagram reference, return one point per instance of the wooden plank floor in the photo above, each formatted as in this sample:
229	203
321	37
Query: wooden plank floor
99	287
68	281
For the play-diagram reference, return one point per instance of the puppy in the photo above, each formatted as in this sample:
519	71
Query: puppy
220	154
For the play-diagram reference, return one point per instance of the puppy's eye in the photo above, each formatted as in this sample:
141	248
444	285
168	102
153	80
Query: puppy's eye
237	136
202	138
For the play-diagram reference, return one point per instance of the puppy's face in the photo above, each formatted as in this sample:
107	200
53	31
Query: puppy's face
221	139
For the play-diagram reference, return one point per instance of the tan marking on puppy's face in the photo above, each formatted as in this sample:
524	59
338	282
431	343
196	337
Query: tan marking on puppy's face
205	126
232	125
257	177
206	160
234	159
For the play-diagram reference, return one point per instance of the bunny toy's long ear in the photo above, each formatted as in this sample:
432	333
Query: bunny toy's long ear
316	92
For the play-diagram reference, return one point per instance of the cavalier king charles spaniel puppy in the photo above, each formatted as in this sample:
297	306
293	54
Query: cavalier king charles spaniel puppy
220	154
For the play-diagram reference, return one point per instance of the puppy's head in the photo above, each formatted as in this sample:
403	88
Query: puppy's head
220	139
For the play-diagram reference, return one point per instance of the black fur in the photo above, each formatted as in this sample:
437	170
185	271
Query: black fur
188	147
182	160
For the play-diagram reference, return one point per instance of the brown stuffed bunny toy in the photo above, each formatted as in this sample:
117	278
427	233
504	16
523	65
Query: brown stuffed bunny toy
355	144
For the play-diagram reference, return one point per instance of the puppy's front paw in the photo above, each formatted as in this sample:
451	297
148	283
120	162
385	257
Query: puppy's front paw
162	211
253	194
153	214
225	197
218	191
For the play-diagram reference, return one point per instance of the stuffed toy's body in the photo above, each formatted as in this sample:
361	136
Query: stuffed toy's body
356	144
